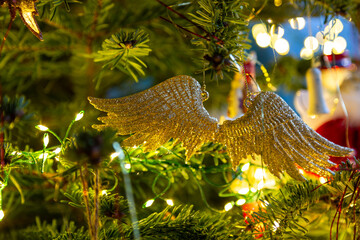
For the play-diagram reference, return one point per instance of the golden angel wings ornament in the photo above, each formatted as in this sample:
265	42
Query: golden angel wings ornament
174	109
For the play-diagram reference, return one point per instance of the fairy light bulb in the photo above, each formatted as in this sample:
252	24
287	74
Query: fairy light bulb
260	185
259	173
276	225
306	53
240	202
282	46
320	37
43	156
114	155
104	192
336	26
46	139
57	150
228	206
322	180
41	128
127	165
263	40
149	203
170	202
278	31
339	45
243	191
258	28
297	23
328	47
245	167
311	43
79	116
2	215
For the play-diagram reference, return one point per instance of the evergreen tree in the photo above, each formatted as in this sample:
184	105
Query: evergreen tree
61	179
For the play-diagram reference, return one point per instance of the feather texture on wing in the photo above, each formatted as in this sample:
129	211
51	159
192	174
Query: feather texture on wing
270	128
171	109
174	109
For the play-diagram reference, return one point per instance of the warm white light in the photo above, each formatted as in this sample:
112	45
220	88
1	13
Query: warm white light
263	40
228	206
276	225
240	202
277	3
46	139
14	153
339	45
79	116
261	185
293	23
258	28
114	155
282	46
103	192
301	171
127	165
306	53
336	26
149	202
43	156
322	180
297	23
259	173
270	183
328	46
57	151
273	40
243	191
264	203
253	190
2	215
311	43
170	202
245	167
41	128
320	37
280	31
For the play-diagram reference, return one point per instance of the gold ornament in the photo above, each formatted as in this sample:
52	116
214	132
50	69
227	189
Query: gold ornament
27	11
174	109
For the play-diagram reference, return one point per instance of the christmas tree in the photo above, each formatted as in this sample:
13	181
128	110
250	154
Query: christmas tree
160	166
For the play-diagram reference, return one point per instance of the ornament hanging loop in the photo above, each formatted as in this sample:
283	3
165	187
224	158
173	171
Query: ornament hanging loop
204	95
250	96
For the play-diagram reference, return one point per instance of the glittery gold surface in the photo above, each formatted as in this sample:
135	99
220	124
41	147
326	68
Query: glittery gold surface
174	109
27	10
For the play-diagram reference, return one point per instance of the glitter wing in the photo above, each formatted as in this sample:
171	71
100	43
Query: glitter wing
270	128
27	11
171	109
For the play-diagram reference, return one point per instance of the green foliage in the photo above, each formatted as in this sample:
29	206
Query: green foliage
226	31
182	222
285	210
123	51
80	48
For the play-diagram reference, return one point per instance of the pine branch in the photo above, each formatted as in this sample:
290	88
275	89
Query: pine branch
123	51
